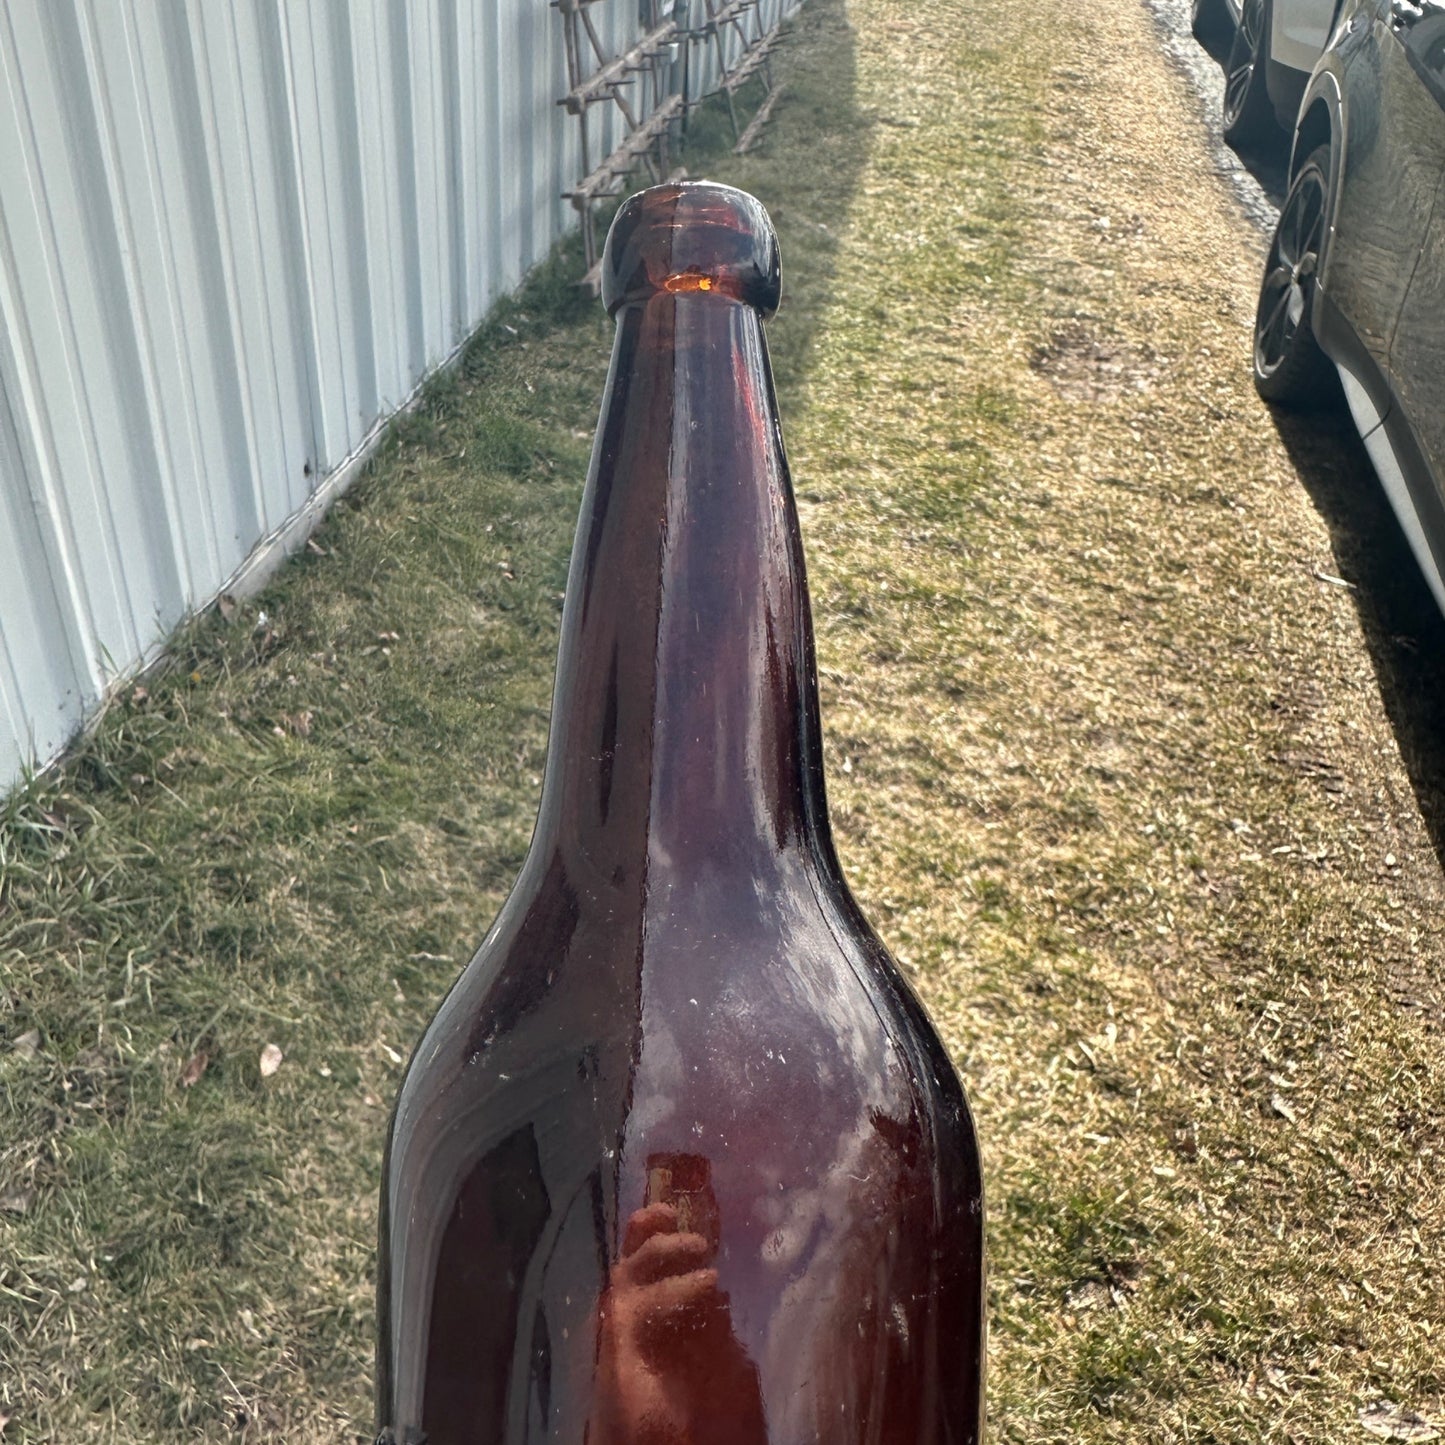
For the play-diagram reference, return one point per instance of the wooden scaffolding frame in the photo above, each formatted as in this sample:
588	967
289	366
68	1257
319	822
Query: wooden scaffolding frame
649	90
597	77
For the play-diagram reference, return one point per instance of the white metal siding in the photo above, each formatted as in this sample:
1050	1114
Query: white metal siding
235	236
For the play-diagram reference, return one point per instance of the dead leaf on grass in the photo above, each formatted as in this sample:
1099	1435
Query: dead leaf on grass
18	1201
28	1044
1282	1107
1396	1422
226	606
1276	1379
271	1058
195	1067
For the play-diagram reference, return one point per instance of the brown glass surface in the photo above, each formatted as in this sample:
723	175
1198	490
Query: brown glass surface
680	1159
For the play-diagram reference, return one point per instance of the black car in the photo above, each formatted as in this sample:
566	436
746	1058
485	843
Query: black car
1355	278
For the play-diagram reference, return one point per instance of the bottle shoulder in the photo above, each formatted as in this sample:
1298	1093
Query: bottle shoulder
757	1080
785	953
719	1004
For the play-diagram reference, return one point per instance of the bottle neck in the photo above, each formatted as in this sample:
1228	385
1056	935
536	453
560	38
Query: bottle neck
684	723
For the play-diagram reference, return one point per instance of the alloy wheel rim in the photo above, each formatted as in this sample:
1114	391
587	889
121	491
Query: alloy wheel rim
1289	281
1243	54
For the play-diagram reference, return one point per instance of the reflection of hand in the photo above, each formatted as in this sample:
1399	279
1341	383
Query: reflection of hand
669	1369
661	1293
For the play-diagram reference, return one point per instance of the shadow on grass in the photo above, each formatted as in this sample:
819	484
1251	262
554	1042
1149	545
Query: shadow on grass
1403	629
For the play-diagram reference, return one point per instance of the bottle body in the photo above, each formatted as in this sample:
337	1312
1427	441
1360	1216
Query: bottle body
680	1159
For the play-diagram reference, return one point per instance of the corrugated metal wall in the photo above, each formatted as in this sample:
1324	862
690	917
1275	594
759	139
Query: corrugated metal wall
235	236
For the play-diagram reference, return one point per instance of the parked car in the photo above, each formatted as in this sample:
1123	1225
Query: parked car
1273	48
1355	277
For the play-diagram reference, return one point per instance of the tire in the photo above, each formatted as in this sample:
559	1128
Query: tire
1249	118
1290	370
1209	22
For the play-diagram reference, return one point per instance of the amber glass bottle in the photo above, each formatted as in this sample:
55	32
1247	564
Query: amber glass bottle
680	1160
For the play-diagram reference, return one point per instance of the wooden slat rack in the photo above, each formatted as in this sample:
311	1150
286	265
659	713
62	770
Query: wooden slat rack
752	46
649	88
638	83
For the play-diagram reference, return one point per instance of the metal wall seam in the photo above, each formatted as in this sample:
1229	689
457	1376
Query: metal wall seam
219	161
381	209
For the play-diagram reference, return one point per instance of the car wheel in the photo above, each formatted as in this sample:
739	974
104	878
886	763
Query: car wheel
1248	111
1209	21
1289	367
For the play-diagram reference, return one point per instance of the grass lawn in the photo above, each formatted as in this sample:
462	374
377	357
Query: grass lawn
1109	764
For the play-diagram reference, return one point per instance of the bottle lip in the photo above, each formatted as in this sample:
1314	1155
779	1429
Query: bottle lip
692	238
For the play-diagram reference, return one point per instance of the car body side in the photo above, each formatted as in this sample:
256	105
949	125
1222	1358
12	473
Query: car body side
1379	305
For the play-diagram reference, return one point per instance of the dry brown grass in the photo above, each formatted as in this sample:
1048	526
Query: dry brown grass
1122	790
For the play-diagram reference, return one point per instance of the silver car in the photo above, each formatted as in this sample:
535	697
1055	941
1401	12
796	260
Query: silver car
1273	46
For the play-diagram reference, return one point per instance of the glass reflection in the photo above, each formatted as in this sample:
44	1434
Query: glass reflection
670	1368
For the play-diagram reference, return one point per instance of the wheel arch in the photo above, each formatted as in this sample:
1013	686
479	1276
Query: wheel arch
1316	127
1321	122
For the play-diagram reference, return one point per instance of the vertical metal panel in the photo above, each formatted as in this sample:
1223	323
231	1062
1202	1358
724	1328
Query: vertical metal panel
41	651
225	164
388	200
235	236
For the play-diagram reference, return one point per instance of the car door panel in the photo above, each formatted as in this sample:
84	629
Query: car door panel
1417	350
1298	32
1386	185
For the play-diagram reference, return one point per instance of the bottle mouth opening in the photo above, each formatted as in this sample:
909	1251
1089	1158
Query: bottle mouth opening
696	238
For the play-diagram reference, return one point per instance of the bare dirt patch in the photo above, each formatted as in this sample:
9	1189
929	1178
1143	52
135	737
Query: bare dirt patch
1084	367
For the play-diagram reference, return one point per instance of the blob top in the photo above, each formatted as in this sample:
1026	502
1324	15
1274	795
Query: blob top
692	238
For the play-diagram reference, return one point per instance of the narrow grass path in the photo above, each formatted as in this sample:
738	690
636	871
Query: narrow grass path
1109	765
